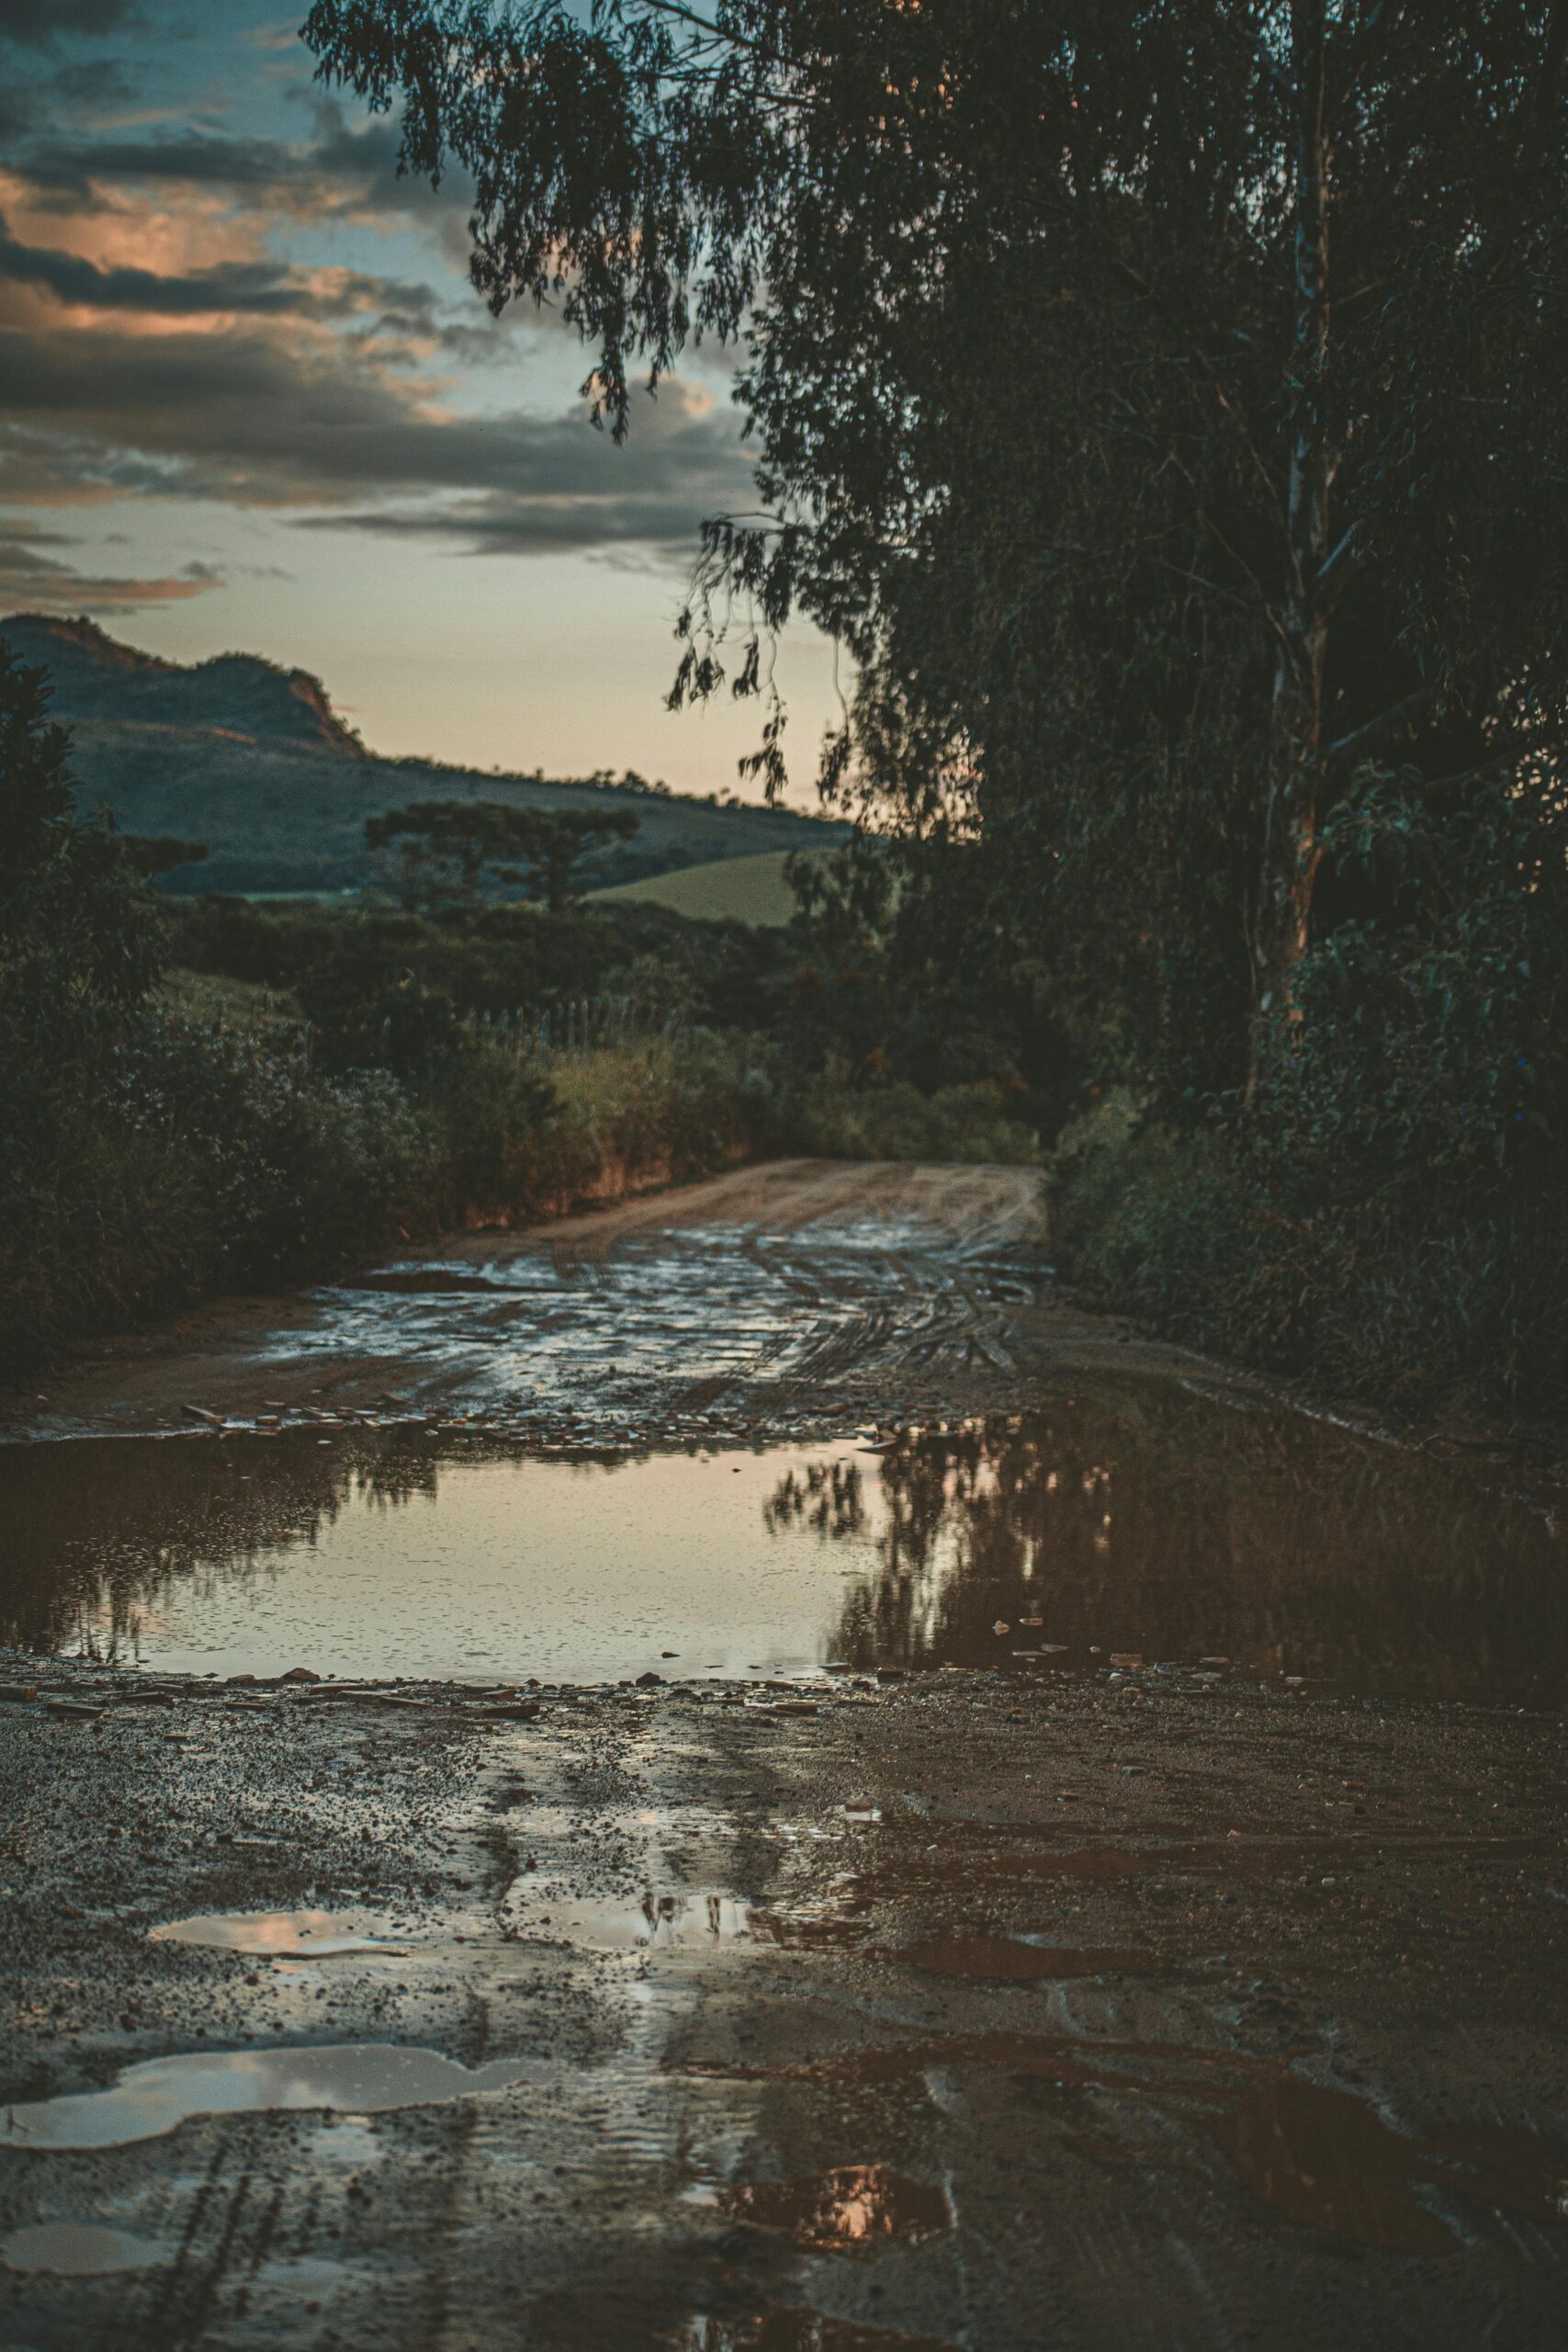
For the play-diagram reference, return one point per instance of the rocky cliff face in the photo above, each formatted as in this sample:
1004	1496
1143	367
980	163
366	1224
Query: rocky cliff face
98	678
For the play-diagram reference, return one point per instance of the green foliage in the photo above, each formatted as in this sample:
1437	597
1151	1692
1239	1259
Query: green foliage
875	1117
79	944
1389	1211
493	962
145	1158
280	1171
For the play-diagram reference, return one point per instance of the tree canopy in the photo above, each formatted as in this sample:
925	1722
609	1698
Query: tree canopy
1159	398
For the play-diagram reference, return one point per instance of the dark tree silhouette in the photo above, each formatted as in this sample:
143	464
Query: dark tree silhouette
153	853
554	842
1159	398
448	848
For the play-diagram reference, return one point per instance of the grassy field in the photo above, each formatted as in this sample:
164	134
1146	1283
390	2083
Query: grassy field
738	889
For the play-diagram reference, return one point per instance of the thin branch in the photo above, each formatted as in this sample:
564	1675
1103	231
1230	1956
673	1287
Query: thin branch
1242	565
710	31
1360	737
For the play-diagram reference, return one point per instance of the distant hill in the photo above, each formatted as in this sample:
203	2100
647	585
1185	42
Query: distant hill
253	760
742	889
236	694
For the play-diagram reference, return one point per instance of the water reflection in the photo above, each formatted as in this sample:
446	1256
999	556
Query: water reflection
852	2206
1144	1519
389	1551
1133	1519
147	2100
101	1534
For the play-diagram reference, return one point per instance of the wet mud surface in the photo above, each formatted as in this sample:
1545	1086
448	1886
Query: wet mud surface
1138	1922
791	1296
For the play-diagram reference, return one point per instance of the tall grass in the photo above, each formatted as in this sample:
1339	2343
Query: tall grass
212	1156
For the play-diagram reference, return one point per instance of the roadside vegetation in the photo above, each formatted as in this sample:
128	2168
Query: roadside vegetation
201	1094
1201	560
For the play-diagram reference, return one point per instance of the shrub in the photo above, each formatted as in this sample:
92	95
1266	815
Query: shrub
875	1117
1388	1213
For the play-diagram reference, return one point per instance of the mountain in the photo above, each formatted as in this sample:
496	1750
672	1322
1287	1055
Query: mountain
253	759
239	694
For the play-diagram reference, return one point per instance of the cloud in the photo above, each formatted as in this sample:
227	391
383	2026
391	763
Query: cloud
153	344
260	418
229	286
338	171
37	24
544	522
35	581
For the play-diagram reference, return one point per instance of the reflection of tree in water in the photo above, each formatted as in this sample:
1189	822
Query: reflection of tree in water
99	1533
1153	1519
829	1498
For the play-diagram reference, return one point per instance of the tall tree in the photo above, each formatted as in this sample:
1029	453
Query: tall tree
447	848
552	844
1159	398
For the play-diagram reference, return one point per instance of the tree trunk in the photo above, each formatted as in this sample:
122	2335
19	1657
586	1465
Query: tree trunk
1290	853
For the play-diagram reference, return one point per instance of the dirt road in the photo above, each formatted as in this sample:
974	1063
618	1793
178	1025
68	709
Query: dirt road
781	1297
1133	2002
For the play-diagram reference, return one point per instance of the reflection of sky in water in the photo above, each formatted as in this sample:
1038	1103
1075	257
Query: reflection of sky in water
1133	1518
153	2097
574	1571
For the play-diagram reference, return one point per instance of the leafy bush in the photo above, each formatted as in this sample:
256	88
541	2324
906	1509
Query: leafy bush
289	1171
1387	1212
878	1116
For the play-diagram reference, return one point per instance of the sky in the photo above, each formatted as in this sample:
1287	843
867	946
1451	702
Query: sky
250	402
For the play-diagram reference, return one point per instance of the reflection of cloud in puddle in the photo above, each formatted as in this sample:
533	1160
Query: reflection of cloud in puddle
78	2250
293	1934
852	2205
151	2098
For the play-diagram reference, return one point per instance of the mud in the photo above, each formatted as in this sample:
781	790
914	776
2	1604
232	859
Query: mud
795	1296
971	1991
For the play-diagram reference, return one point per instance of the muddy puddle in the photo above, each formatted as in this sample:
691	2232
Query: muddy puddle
78	2250
154	2097
274	1935
582	1329
1122	1527
1321	2158
697	1922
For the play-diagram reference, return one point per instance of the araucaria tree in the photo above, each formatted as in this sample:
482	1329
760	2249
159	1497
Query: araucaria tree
444	849
1160	398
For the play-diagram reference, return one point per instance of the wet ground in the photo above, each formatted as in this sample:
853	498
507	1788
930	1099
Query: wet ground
1092	1873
